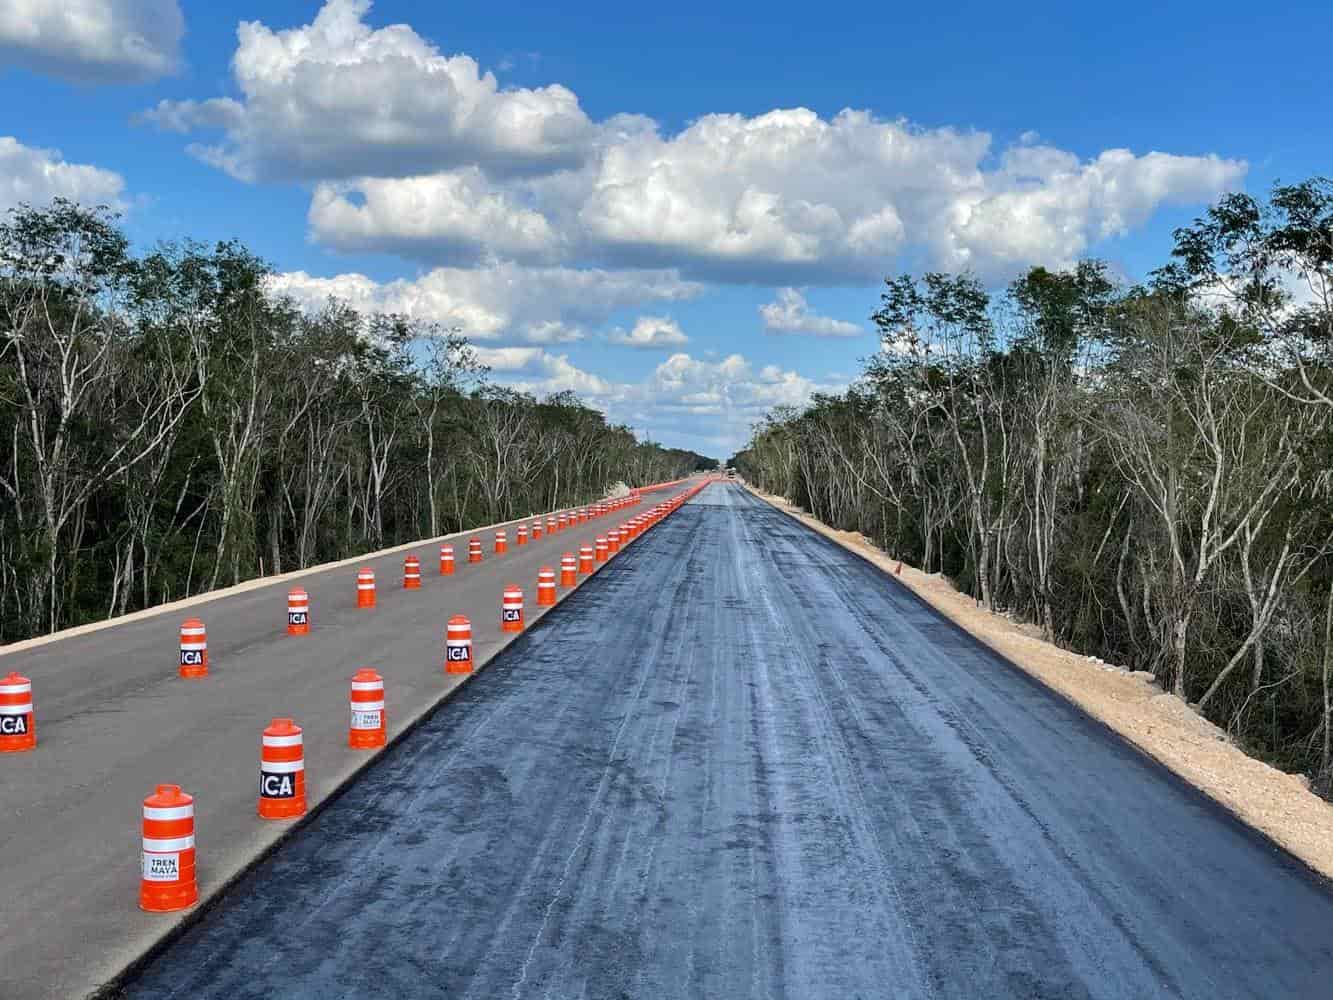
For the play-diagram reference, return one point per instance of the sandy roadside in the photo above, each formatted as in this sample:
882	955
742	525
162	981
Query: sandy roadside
1279	805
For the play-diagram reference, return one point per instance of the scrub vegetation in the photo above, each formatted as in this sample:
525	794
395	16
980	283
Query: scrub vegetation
170	425
1143	470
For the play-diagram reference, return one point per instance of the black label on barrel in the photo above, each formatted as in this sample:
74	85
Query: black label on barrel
277	786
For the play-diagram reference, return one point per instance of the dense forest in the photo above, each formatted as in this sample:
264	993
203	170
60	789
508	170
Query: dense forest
1142	470
169	425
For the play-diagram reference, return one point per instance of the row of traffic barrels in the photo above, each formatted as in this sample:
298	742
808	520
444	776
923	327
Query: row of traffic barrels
168	879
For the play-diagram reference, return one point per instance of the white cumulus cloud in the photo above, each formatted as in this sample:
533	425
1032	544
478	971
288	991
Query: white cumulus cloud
92	41
538	305
425	155
36	176
651	332
785	198
707	405
791	314
453	217
336	99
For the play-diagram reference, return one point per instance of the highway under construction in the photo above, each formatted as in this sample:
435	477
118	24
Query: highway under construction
742	762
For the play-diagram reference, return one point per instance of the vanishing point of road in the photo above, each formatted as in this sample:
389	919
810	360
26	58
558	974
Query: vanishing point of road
741	762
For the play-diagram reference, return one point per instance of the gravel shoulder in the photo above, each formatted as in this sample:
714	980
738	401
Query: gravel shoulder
1277	804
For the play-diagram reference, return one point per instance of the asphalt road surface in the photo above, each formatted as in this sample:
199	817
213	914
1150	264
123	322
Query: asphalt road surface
114	720
741	762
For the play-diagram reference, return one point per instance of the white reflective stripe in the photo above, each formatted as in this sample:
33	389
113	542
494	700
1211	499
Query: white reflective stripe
194	645
282	766
168	812
194	631
365	586
16	688
460	628
283	741
367	685
367	706
169	846
457	642
16	709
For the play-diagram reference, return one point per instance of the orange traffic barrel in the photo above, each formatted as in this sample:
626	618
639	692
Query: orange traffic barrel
522	537
511	609
298	612
367	729
552	525
585	559
17	729
458	646
569	569
613	540
474	550
365	588
545	586
282	771
446	560
536	529
501	543
602	550
168	880
411	573
562	520
194	649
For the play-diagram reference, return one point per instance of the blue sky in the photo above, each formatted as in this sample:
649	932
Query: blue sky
681	213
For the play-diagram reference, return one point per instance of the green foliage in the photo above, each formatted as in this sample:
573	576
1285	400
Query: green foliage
171	425
1144	472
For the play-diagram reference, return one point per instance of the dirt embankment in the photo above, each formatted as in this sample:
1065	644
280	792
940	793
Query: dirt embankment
1280	805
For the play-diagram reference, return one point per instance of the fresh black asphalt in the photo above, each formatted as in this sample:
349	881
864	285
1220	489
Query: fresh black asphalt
741	762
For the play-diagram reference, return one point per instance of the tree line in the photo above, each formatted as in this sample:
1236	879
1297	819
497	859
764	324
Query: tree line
1143	470
170	425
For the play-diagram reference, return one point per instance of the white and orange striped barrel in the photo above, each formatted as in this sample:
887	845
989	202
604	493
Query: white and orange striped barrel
545	587
613	540
552	525
367	729
474	550
585	559
194	649
298	612
537	529
511	609
562	520
167	880
521	536
602	551
501	543
365	587
411	573
18	731
458	646
569	569
446	560
282	771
